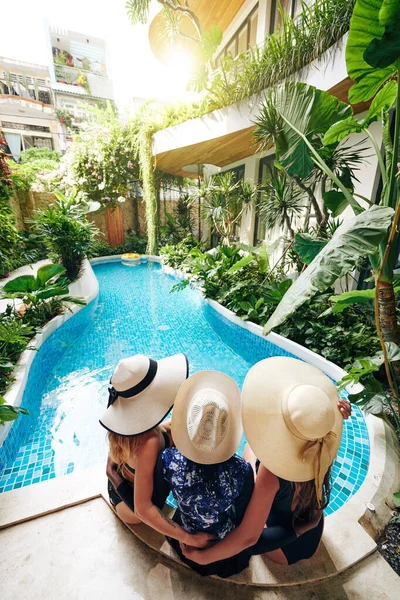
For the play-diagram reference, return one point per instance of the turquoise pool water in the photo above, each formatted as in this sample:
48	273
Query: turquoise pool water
134	313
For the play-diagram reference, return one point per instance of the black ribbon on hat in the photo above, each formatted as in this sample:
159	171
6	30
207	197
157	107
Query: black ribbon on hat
136	389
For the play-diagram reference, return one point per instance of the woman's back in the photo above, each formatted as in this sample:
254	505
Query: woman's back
209	497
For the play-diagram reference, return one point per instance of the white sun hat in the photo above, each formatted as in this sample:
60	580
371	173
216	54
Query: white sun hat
206	425
143	392
291	419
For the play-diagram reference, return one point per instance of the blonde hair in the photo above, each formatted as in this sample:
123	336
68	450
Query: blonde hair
122	447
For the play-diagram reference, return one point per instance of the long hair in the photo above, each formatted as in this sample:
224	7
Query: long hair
307	501
121	447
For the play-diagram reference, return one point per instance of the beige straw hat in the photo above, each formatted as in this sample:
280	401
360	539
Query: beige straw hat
143	392
206	425
291	419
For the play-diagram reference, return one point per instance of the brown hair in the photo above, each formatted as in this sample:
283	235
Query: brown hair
307	501
121	447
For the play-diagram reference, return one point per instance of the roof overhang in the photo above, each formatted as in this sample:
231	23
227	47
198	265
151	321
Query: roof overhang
225	136
220	14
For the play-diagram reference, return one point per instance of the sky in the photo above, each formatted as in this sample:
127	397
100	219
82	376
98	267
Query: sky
135	71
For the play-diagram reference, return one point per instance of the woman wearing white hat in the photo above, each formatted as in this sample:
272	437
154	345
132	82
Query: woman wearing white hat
292	418
142	394
211	485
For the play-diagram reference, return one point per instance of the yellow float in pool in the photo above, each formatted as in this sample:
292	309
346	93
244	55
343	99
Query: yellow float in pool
131	259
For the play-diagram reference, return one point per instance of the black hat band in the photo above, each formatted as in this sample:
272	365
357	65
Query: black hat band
136	389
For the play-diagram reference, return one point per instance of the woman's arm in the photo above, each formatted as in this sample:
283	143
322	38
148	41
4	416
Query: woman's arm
144	507
251	527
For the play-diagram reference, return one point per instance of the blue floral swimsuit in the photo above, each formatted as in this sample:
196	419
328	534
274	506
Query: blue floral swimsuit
206	505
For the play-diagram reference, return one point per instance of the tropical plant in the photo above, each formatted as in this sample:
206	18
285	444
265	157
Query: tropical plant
280	202
67	233
372	58
174	255
374	397
14	338
49	283
10	413
178	225
225	201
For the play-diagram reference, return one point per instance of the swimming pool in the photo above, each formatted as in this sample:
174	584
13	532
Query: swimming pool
134	313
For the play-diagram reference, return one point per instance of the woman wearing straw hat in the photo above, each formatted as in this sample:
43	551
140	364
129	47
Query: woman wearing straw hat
211	485
292	418
142	394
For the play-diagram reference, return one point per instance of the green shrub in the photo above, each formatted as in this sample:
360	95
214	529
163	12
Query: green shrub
133	243
174	255
33	154
67	233
14	339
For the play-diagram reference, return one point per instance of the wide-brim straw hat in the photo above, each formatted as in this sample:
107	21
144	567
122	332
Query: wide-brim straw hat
206	421
143	393
291	419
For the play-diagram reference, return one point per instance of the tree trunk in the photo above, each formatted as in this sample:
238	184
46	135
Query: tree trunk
387	312
289	227
314	202
388	318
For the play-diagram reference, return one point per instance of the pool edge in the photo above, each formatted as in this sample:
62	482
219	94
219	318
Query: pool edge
86	287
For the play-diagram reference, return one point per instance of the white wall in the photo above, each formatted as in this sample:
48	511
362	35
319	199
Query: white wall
367	185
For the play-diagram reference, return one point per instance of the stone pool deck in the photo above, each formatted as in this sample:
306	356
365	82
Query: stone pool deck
60	539
85	552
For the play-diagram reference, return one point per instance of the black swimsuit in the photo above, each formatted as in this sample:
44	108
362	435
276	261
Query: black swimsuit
125	491
280	533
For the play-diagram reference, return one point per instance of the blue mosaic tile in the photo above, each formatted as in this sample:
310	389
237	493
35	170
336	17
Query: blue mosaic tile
66	392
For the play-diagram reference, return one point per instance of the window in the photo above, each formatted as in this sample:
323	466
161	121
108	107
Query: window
10	125
266	168
292	7
244	38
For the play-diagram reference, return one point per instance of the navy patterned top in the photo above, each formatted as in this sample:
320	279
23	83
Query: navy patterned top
206	503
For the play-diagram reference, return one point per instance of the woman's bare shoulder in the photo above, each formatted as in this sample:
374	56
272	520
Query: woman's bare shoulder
266	478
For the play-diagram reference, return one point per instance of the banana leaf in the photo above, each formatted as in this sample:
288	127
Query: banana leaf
383	101
308	247
291	111
354	239
368	43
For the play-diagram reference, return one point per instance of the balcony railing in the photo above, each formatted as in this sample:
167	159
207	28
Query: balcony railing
28	91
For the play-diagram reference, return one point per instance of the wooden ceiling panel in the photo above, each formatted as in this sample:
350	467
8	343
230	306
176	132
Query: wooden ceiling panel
220	12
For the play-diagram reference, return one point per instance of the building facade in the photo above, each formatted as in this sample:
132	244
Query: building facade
223	139
40	105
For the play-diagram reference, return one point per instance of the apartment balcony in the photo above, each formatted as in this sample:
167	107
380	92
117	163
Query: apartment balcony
14	90
79	82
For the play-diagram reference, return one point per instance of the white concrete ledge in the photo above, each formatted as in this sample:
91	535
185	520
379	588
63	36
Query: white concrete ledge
86	287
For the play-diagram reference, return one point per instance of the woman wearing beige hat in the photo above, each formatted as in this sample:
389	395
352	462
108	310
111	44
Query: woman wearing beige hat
211	485
142	394
292	418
